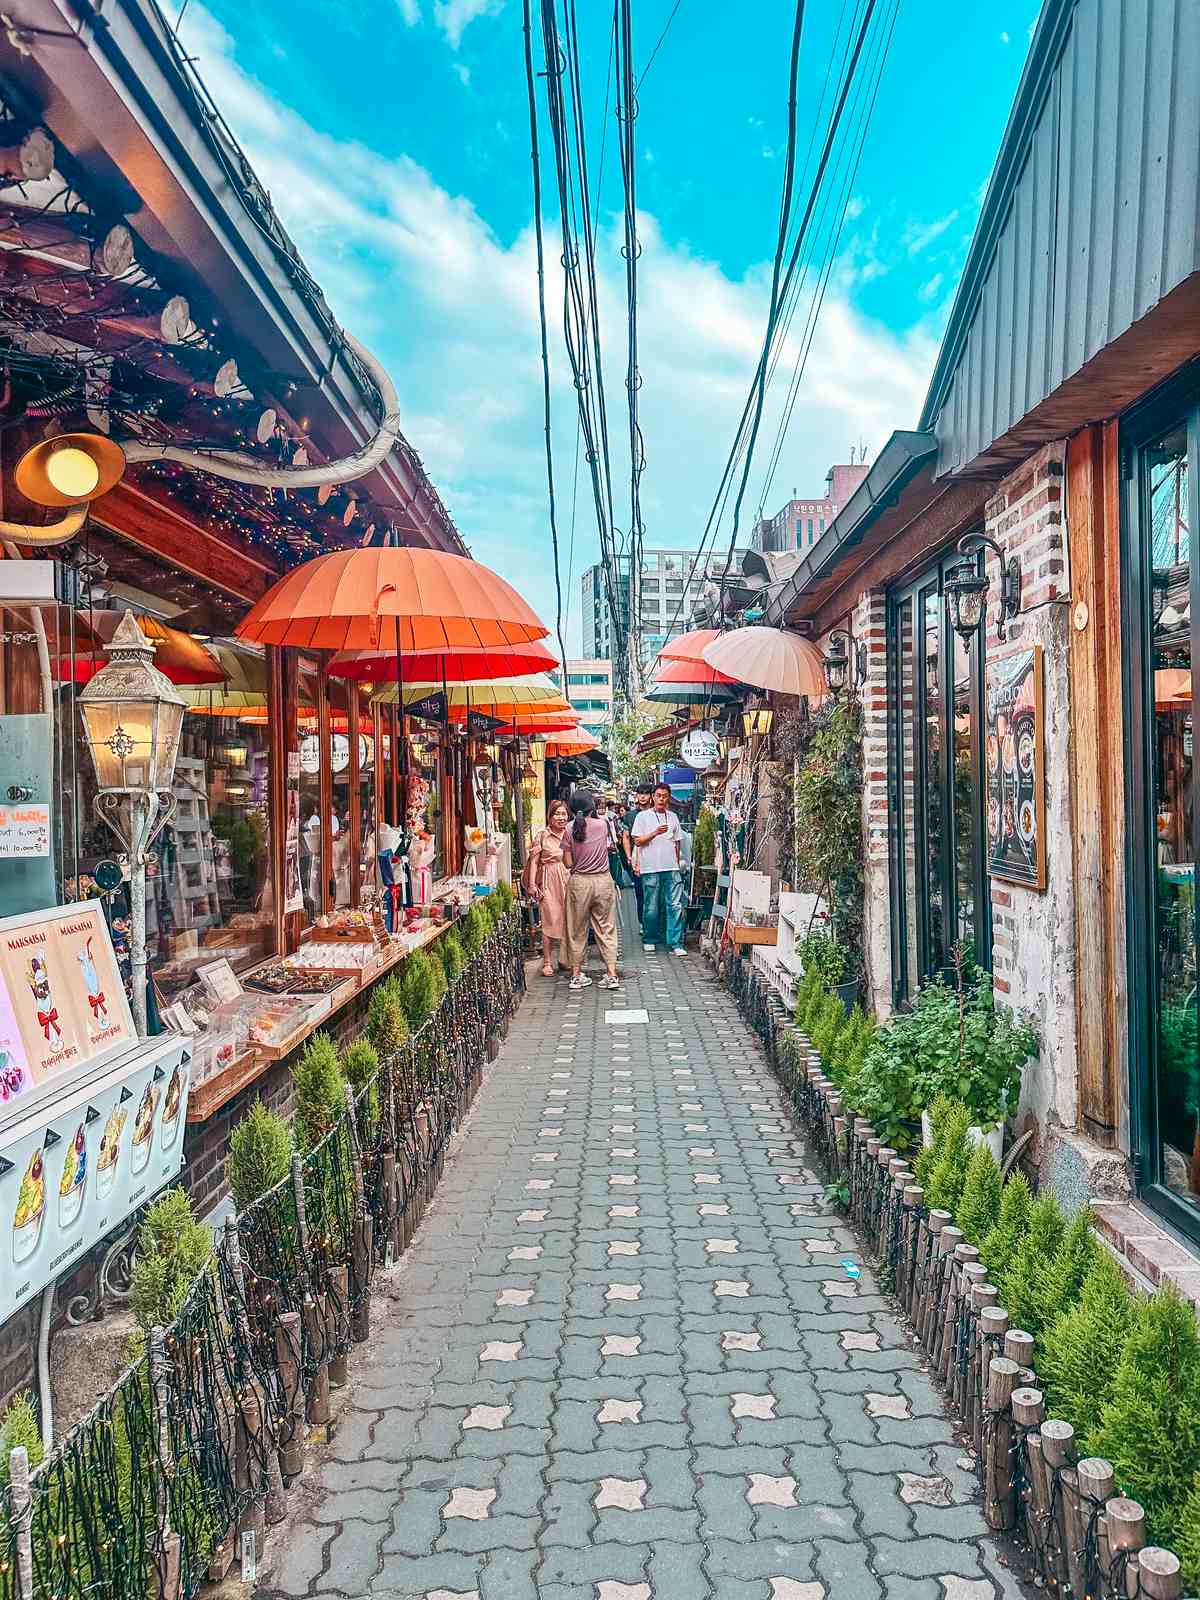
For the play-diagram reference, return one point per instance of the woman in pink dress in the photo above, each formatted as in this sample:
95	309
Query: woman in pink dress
549	876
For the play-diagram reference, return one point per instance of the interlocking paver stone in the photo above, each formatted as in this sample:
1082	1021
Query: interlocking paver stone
581	1393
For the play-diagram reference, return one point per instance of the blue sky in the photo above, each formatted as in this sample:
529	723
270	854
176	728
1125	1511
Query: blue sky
394	139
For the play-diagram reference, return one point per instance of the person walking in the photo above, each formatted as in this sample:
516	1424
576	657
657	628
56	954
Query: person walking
643	798
591	894
547	877
655	835
606	812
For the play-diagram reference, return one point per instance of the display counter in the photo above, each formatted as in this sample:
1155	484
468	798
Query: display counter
246	1034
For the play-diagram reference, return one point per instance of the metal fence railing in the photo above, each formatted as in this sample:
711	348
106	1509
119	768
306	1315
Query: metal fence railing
184	1463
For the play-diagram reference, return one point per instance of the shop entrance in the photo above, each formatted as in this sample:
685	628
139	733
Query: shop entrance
1159	453
939	890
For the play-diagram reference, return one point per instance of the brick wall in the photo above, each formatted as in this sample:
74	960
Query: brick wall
869	628
1033	934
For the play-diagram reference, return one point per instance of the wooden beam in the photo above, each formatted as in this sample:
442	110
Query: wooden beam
155	527
1097	773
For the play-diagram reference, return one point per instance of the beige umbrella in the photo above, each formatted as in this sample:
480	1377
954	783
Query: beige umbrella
769	658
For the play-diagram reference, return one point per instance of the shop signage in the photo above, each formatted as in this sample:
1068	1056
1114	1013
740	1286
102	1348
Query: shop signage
1015	765
430	708
91	1117
479	724
700	749
310	753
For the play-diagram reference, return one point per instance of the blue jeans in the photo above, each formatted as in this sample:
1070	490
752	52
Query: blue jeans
662	901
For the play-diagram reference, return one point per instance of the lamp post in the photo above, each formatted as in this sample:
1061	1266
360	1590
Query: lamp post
132	719
845	663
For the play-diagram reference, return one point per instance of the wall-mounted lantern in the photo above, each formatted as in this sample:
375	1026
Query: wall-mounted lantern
967	587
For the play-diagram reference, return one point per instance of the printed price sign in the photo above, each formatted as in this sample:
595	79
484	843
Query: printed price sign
25	830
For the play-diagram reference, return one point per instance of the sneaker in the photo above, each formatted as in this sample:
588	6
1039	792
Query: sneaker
679	951
609	983
581	982
649	949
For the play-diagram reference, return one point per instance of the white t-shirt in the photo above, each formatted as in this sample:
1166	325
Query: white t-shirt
659	855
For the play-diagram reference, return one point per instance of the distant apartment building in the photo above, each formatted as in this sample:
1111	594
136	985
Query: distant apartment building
668	588
590	691
802	522
599	642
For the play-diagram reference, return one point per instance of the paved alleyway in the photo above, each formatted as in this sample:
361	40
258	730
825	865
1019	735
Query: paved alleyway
623	1359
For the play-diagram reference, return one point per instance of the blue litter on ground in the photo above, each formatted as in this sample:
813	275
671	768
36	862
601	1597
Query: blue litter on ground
849	1267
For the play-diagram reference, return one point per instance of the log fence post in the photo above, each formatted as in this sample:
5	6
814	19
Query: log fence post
21	1499
290	1361
338	1317
999	1506
1058	1439
1097	1485
1029	1412
1126	1524
168	1563
1159	1574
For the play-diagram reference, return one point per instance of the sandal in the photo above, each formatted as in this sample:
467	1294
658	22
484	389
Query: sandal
547	972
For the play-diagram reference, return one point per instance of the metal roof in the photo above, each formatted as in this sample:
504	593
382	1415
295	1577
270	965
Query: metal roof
1088	223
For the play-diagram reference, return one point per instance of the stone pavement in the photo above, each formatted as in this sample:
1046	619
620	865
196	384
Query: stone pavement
624	1358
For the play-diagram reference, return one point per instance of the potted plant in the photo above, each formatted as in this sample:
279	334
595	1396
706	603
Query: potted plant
827	826
819	951
970	1049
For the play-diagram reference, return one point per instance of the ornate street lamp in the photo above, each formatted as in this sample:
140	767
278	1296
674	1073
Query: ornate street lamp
757	720
967	587
845	663
132	718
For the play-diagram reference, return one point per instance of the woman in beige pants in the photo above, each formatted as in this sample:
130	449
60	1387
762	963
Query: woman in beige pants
591	893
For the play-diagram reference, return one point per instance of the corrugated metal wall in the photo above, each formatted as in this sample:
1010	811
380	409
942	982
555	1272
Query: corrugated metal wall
1104	218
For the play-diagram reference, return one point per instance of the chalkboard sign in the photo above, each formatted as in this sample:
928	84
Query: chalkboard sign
1014	760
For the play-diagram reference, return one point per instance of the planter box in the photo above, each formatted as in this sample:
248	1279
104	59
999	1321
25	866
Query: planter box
994	1139
742	934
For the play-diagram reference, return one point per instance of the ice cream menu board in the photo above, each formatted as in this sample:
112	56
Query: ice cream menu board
75	1170
62	1002
1015	763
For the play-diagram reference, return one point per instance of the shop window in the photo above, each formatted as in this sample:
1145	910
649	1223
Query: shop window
939	896
1161	445
312	832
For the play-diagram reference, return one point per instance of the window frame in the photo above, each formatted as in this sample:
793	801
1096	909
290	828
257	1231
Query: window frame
1176	401
914	588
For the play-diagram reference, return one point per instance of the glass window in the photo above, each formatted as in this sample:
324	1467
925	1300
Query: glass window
312	838
936	794
1161	510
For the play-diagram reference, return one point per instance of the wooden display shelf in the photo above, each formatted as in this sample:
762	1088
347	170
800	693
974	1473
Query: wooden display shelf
742	933
207	1098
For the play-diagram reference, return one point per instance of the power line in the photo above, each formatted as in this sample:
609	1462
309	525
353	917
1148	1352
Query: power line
541	277
658	44
627	111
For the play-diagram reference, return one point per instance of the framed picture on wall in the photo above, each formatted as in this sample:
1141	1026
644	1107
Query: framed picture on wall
1014	760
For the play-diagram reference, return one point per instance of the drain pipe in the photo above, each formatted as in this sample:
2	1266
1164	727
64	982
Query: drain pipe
45	1396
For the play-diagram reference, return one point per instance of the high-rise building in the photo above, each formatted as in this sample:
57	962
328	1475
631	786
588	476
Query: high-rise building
590	691
598	635
802	522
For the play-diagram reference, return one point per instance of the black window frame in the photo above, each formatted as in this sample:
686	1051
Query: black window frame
1175	402
913	588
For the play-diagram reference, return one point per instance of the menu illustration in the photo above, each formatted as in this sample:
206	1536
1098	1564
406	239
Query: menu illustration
74	1179
110	1151
62	1003
31	1208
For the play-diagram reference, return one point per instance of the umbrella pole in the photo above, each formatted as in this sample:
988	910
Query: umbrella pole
402	819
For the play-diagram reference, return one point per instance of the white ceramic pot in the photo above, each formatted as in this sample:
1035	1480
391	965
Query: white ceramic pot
994	1139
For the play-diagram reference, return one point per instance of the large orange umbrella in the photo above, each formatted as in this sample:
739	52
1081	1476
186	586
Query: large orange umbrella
244	689
671	671
572	742
182	658
362	599
688	646
769	658
444	666
530	722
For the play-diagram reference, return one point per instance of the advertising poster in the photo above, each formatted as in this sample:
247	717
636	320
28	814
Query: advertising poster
1015	762
67	1180
41	997
15	1076
25	830
293	894
94	987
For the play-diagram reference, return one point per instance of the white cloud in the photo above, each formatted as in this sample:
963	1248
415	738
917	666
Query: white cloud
929	289
410	10
421	278
1004	38
452	16
918	236
462	72
855	208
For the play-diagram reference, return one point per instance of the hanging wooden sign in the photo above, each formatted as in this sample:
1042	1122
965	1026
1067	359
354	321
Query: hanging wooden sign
1014	762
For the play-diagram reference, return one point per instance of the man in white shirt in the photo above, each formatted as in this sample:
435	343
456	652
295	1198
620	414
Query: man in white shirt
656	838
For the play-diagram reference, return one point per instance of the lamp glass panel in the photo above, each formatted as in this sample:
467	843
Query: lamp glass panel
120	735
72	472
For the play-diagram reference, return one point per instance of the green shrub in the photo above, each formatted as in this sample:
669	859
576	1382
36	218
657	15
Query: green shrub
320	1091
979	1206
260	1155
473	928
505	895
999	1248
939	1113
1059	1283
387	1026
880	1089
807	991
1187	1540
421	987
452	955
949	1172
1019	1292
1081	1348
704	840
360	1069
173	1249
829	1022
1150	1428
19	1426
